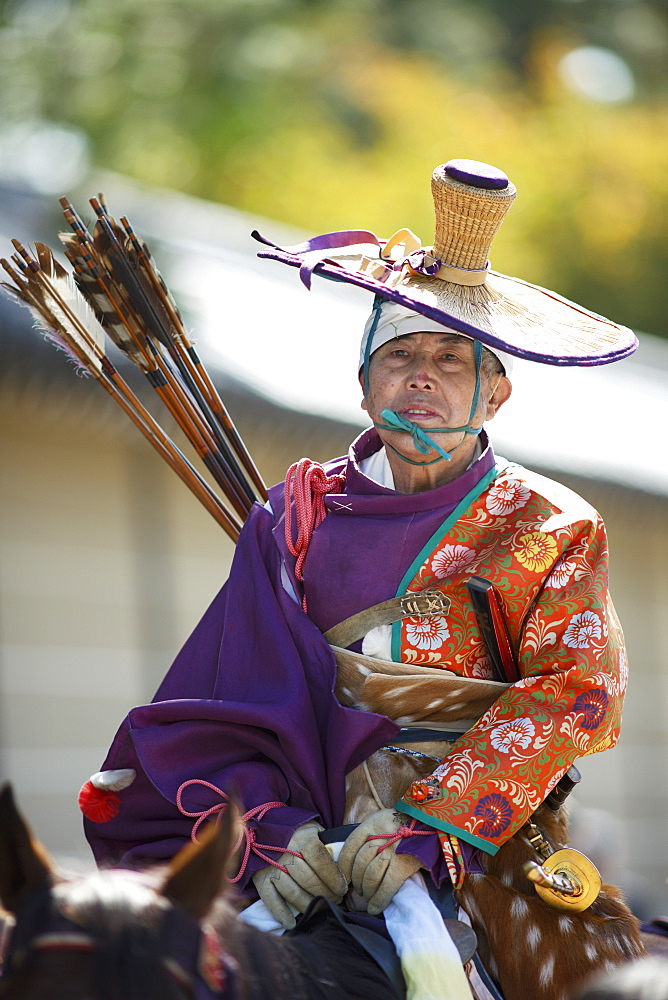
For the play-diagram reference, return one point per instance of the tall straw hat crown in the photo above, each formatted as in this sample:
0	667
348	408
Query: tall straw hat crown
452	282
467	216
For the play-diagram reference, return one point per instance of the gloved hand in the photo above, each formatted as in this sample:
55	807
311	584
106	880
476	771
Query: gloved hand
315	875
377	876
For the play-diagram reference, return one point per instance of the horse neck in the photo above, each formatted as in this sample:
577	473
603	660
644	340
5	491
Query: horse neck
265	965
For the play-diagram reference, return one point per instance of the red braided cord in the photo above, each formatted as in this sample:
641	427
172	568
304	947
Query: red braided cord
309	484
400	834
252	845
257	812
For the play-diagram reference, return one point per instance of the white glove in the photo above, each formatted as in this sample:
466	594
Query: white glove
316	875
377	876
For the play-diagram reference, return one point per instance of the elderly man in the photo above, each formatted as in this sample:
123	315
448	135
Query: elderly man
285	690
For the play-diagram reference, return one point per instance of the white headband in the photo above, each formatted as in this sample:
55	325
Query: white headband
397	321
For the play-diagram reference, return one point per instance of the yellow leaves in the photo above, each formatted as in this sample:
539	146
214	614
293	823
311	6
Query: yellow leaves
611	215
301	113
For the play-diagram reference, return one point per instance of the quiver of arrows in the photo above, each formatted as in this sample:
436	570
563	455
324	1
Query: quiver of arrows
116	291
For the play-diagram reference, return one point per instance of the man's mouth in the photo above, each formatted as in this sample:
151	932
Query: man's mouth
418	414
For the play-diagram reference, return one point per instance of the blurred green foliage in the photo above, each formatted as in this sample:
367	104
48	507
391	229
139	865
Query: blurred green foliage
331	114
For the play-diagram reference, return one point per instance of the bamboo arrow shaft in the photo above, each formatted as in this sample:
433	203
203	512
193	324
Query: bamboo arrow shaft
117	282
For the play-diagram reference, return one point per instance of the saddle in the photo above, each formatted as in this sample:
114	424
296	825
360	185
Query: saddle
379	947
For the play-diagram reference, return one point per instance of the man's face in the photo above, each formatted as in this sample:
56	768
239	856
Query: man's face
429	378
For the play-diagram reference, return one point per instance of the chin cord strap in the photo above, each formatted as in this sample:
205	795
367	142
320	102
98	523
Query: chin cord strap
377	305
422	439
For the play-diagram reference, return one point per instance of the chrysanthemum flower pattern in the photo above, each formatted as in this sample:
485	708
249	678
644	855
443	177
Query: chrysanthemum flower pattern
536	550
426	633
496	812
481	668
561	574
582	630
593	706
451	559
511	735
507	496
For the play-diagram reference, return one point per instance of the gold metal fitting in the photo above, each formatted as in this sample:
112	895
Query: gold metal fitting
566	880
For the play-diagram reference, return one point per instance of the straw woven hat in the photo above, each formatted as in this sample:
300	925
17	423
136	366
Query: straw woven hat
452	281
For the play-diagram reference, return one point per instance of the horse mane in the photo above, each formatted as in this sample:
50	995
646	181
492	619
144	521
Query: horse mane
122	912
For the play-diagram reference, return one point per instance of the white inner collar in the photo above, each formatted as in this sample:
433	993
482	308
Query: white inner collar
377	466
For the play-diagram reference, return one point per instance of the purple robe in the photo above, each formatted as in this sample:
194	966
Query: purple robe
249	705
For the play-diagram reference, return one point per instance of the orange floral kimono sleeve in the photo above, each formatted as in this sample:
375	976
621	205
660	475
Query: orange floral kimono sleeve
571	659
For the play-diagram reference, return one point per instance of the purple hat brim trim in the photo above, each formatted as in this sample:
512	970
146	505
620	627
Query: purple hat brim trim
333	272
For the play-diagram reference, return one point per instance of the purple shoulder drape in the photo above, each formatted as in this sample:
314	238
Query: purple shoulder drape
248	706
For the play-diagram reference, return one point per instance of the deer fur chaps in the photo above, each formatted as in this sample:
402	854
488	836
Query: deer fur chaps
533	950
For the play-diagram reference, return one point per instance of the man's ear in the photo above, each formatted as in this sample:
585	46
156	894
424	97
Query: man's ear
501	394
360	379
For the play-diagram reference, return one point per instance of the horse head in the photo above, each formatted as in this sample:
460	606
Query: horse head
111	934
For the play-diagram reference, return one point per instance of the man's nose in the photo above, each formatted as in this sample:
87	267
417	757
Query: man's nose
422	373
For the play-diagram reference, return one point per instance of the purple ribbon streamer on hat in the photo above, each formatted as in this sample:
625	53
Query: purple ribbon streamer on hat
317	249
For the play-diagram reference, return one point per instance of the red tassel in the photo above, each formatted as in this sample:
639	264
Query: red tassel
98	805
211	965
